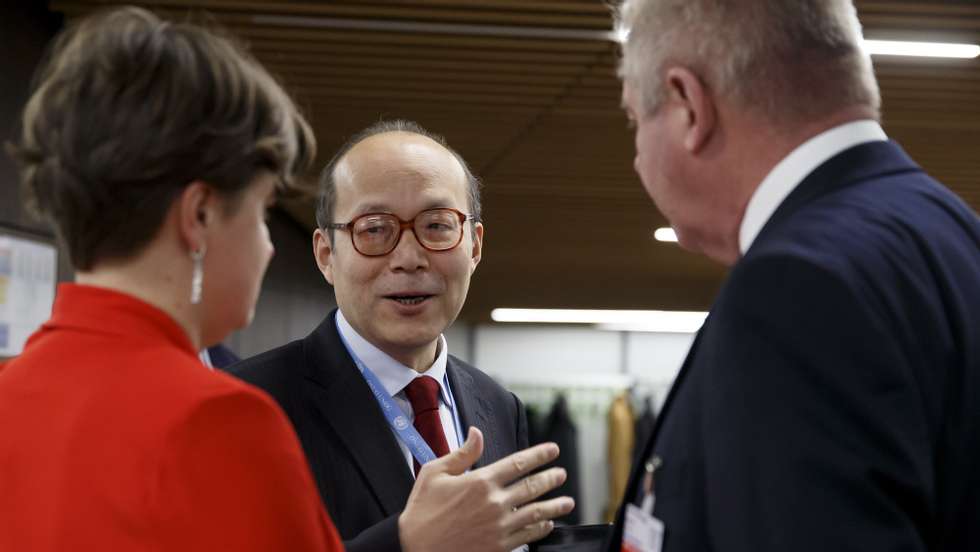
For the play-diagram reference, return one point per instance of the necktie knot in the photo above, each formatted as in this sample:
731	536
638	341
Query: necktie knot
423	393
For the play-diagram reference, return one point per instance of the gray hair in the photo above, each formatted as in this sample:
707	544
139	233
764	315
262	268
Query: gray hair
327	198
788	60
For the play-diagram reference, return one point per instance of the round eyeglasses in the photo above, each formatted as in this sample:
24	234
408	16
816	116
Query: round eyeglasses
377	234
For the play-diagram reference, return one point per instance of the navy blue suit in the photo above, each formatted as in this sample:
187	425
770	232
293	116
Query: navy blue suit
832	399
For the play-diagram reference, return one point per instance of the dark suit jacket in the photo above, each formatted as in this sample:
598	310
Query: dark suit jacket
832	399
360	470
221	356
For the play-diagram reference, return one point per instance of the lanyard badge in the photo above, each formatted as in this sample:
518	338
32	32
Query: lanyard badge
642	532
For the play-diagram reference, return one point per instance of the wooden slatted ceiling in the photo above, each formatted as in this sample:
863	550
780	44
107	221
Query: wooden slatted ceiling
568	224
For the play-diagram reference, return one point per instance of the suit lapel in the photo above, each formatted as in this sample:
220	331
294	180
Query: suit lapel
674	389
615	537
474	410
340	393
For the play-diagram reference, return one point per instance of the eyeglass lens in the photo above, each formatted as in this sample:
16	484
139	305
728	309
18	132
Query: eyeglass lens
436	229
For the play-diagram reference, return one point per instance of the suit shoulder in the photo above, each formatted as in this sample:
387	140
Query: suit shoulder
887	213
191	388
479	377
486	384
884	228
272	368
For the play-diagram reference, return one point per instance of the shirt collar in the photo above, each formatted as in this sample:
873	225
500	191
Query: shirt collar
794	168
394	375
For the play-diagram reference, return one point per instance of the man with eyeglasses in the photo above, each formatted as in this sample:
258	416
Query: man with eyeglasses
381	408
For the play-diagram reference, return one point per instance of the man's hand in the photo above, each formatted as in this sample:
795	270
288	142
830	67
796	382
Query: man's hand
488	509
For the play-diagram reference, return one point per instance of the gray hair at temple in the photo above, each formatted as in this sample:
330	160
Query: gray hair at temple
327	198
789	61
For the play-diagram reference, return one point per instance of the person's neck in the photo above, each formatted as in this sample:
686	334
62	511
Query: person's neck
419	359
144	278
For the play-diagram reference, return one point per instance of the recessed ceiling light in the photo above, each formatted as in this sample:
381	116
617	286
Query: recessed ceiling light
665	234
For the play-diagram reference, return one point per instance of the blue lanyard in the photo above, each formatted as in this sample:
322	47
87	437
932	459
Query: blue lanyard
396	418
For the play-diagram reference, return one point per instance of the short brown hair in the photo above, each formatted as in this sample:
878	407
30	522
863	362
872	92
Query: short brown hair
128	110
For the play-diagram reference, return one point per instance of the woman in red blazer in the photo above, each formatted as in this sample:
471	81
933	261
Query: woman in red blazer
155	149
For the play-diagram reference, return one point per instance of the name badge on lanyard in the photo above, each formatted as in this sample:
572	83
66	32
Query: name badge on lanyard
397	419
641	531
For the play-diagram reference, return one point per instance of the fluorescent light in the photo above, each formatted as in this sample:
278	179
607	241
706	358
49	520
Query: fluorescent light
402	26
666	234
875	47
890	47
618	320
921	49
664	326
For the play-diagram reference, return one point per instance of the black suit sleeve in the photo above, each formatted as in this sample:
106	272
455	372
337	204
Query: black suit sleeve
814	433
380	537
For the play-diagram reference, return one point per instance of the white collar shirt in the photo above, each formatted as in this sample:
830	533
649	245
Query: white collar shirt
795	167
395	376
205	357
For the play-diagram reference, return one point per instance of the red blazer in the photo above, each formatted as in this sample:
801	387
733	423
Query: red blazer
115	437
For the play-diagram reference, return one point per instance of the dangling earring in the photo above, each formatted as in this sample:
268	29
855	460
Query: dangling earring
197	278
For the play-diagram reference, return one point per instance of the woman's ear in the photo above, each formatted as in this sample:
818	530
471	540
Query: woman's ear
197	205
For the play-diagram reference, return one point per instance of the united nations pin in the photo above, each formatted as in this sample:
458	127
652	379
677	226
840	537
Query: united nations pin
401	423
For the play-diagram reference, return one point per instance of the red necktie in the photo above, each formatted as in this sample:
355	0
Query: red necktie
423	393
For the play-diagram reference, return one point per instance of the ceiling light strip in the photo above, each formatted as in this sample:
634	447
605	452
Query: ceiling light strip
638	320
875	47
401	26
921	49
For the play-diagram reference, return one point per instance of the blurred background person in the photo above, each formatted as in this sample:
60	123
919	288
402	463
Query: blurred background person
155	149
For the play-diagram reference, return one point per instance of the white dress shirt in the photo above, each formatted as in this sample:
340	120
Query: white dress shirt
795	167
395	376
205	357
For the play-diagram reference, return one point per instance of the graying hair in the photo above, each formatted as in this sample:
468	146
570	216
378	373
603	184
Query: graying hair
327	199
788	60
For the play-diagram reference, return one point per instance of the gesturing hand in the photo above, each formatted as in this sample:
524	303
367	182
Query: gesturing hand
488	509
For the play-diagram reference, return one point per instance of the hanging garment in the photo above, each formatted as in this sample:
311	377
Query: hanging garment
619	447
644	425
535	424
560	429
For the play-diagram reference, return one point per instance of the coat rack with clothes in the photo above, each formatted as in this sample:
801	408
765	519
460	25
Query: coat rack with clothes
574	413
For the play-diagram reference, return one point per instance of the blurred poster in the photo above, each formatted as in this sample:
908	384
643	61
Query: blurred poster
28	274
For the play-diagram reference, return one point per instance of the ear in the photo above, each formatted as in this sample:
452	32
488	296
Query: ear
323	253
197	205
690	92
477	252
